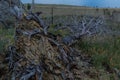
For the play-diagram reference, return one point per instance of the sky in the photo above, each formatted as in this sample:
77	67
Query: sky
92	3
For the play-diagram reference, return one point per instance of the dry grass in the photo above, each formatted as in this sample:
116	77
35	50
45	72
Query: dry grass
59	10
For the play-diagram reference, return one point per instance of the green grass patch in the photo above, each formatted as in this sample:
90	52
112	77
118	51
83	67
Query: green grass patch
103	51
6	38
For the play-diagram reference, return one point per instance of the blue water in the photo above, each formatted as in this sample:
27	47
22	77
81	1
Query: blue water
91	3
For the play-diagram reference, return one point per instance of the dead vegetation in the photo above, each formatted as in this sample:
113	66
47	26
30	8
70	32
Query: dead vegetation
36	54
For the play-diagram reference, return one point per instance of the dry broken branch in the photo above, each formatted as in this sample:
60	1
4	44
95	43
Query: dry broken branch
88	26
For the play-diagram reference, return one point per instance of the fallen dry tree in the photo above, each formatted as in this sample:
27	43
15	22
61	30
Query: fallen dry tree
36	55
40	55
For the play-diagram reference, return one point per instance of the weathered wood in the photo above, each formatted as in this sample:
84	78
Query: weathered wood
38	56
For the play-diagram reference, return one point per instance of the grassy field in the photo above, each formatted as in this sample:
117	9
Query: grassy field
60	10
104	50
